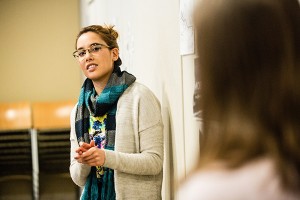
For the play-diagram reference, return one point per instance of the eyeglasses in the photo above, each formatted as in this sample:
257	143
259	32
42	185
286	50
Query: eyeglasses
80	54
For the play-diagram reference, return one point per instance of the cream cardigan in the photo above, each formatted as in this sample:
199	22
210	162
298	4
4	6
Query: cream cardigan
138	156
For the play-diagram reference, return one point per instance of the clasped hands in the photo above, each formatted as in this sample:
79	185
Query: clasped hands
90	154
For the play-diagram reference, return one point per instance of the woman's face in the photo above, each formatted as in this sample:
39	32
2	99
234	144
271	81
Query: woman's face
97	65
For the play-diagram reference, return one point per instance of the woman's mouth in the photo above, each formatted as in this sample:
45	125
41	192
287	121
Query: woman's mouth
91	67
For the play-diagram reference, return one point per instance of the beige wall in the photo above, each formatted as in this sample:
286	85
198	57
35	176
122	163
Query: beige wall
36	45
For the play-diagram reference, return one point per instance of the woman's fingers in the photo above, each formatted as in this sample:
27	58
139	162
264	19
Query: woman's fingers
93	157
85	146
92	143
90	154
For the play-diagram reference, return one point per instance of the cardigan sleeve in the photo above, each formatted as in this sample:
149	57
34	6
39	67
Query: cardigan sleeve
139	133
78	171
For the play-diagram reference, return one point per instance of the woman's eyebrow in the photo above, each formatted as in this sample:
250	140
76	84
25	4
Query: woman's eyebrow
93	44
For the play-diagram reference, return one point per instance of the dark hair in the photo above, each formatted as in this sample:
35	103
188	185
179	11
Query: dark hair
249	53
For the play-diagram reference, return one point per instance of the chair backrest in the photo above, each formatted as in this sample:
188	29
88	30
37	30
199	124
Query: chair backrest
52	115
15	116
15	144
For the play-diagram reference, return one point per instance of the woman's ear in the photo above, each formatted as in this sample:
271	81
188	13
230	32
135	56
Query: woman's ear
115	53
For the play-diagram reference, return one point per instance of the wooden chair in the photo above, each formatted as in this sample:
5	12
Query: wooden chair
51	124
15	147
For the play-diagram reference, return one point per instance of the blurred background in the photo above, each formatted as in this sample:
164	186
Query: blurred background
40	82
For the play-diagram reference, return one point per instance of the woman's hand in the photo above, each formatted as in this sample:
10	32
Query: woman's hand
93	157
84	147
90	154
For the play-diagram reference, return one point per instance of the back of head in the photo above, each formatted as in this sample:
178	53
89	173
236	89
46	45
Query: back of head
249	54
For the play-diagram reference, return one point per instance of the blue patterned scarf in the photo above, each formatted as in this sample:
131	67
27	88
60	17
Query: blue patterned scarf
100	182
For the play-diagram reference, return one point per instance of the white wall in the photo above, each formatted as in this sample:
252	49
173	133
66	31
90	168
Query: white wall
150	49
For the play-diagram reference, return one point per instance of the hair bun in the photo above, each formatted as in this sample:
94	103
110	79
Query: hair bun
112	31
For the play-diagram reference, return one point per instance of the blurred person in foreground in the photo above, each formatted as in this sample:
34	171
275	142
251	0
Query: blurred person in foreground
249	58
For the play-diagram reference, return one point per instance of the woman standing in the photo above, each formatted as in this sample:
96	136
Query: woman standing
116	126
